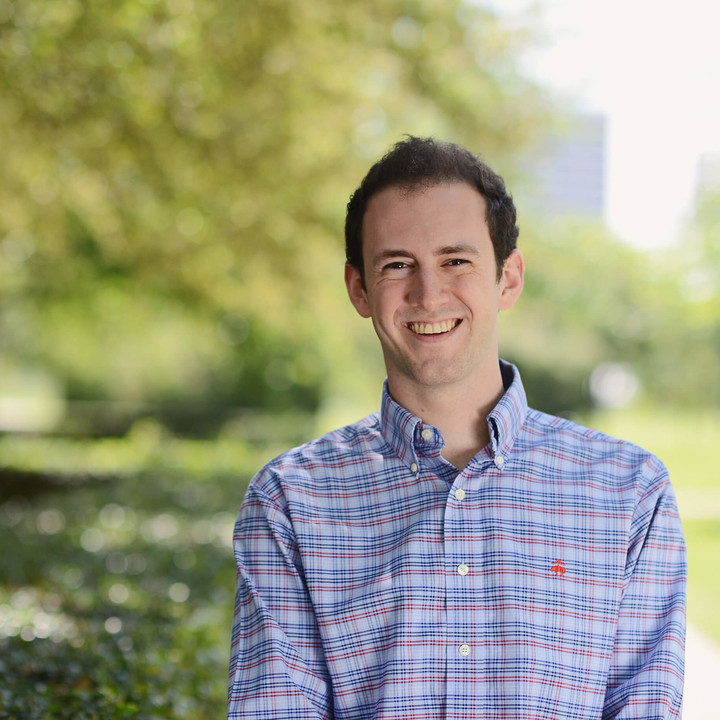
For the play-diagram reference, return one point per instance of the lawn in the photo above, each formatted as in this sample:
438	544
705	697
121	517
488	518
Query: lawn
689	445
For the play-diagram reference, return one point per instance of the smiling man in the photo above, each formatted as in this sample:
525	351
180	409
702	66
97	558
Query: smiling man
457	554
433	288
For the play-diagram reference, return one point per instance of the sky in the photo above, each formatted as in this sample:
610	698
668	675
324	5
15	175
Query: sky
653	69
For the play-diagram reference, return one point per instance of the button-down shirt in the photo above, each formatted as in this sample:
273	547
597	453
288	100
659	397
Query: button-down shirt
545	581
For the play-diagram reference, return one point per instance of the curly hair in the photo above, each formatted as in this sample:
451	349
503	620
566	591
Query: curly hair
417	163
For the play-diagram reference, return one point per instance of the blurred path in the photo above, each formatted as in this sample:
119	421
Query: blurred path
702	677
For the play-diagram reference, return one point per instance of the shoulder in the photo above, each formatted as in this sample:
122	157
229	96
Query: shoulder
564	443
333	457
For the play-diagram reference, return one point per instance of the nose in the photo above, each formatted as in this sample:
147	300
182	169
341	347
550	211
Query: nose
427	289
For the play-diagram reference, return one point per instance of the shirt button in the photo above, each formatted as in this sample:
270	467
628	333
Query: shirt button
499	460
427	434
463	569
413	467
464	650
459	494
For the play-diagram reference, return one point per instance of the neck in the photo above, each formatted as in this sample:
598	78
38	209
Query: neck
458	411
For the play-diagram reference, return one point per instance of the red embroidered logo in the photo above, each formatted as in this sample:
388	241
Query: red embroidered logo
558	568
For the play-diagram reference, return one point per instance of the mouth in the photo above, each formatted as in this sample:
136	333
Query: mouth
433	328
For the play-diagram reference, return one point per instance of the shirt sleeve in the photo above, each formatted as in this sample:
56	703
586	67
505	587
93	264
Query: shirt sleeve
646	672
277	666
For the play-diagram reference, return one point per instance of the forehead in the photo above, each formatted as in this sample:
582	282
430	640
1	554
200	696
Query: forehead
441	212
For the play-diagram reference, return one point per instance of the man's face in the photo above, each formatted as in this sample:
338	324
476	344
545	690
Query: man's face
431	285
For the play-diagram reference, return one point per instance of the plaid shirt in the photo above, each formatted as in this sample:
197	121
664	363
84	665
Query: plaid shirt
545	581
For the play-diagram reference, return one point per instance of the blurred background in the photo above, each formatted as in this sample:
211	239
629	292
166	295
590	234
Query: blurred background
172	312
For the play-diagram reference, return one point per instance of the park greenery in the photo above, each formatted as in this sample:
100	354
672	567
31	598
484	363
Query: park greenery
117	575
175	177
172	310
174	182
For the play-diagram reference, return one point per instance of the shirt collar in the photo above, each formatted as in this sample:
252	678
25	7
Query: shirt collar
398	427
401	429
508	416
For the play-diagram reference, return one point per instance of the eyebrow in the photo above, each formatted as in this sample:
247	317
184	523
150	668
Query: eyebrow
445	250
457	249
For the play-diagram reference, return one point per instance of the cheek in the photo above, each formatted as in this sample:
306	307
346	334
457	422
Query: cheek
483	304
385	302
477	291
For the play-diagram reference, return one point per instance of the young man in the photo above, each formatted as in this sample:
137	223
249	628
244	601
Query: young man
458	554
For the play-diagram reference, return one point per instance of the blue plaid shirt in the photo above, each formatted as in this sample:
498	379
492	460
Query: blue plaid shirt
545	581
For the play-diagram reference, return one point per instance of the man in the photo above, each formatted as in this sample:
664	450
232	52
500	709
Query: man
456	555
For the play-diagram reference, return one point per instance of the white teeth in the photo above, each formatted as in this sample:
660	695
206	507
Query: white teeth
432	328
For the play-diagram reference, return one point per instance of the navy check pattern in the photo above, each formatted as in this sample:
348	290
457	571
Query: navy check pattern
546	581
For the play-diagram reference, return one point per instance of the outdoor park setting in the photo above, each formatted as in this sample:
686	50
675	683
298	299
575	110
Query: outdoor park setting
173	315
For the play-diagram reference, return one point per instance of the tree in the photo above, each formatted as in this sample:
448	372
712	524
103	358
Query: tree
590	299
175	174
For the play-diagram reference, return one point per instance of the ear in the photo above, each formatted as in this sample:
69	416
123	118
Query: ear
356	291
511	282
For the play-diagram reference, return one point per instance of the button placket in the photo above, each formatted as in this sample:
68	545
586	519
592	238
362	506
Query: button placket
461	585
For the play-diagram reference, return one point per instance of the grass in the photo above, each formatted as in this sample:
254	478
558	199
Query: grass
689	445
703	541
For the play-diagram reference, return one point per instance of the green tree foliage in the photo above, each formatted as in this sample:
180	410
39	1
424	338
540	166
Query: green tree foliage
589	299
701	261
175	174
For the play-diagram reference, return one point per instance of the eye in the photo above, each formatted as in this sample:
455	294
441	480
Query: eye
396	265
456	262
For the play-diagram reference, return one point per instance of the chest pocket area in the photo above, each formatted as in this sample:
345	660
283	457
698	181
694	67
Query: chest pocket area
375	597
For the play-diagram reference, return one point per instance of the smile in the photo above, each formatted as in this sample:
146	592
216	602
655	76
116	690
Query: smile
434	328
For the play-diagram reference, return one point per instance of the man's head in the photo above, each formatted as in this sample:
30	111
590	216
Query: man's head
424	265
421	163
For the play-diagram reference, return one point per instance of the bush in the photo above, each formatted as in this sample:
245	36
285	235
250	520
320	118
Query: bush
118	577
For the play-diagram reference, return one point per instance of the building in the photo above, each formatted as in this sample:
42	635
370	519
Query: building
567	173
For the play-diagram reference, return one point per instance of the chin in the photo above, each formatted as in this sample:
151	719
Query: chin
436	375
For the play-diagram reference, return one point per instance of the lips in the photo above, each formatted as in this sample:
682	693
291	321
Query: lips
433	328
